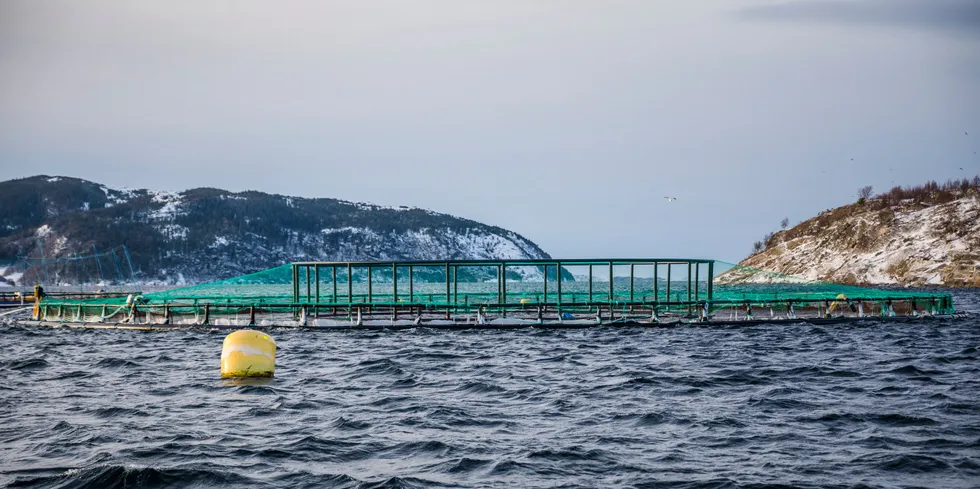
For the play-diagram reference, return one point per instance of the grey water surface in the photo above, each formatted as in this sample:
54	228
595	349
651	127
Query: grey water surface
872	405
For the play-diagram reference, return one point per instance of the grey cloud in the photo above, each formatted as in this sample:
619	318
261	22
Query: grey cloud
961	16
565	121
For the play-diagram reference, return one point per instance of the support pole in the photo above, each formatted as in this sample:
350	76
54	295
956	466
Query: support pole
611	296
370	278
689	288
669	266
307	267
333	271
295	283
503	283
711	280
394	283
316	278
448	296
590	283
631	281
411	291
545	285
455	285
497	282
558	287
697	280
350	286
656	285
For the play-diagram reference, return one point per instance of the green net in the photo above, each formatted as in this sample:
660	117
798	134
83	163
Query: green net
740	283
271	285
672	287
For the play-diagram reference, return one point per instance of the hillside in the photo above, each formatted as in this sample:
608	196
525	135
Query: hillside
908	236
205	233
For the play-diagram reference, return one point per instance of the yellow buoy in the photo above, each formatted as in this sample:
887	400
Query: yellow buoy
248	353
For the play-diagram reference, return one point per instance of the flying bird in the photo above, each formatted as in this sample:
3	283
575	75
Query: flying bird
670	199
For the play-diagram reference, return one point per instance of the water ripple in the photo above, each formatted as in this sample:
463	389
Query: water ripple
875	405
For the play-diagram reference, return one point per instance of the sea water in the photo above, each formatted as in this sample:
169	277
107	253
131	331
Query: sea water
869	405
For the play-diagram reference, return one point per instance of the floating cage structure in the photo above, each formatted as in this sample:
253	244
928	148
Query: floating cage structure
498	293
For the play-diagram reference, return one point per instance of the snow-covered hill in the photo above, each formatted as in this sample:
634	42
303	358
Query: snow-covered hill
915	237
205	234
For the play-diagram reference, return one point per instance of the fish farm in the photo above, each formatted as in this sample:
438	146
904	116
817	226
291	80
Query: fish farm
457	294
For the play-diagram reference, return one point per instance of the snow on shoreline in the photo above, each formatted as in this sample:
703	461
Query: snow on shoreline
920	245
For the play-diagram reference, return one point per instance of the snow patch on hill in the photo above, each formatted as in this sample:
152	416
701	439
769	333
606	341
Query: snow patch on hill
913	244
170	208
208	234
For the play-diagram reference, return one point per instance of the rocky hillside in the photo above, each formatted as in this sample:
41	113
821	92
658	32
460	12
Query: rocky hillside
205	233
909	236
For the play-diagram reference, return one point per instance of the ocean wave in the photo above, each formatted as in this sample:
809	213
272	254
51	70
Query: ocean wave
766	406
121	477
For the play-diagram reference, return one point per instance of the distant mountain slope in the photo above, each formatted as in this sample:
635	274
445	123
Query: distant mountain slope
915	236
204	234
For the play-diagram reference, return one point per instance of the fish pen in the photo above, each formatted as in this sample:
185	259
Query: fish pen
498	293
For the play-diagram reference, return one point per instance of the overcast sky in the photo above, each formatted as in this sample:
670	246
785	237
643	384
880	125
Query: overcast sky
567	121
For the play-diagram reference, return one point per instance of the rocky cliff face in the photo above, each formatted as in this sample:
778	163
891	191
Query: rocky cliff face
205	234
925	235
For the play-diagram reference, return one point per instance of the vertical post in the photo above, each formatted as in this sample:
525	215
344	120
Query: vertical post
669	266
498	283
307	268
545	284
558	283
295	283
590	283
656	279
448	297
316	278
711	281
611	291
334	280
697	280
503	283
688	282
455	285
370	278
350	285
689	287
394	282
411	291
632	266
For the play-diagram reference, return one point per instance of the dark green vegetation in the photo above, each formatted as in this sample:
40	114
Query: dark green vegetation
206	233
916	196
